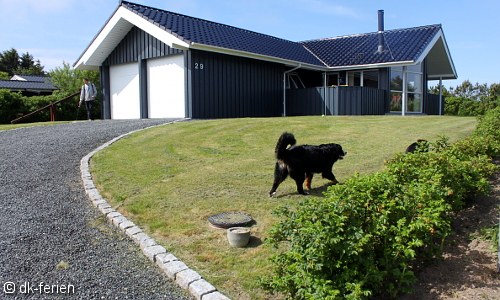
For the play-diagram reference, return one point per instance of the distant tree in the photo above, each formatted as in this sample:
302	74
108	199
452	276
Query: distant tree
9	61
28	65
470	91
468	99
4	75
12	63
435	90
70	80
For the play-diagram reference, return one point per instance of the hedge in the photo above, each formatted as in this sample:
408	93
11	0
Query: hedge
369	235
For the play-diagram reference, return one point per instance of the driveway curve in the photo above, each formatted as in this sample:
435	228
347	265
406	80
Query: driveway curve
54	244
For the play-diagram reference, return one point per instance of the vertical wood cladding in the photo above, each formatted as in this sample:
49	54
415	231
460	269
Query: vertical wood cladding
225	86
138	44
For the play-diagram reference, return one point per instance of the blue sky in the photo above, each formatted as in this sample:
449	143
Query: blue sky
54	31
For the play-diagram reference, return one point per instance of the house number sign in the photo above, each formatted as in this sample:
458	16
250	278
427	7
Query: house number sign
198	66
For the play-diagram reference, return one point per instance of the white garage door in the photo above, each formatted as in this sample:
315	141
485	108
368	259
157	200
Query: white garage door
124	90
166	87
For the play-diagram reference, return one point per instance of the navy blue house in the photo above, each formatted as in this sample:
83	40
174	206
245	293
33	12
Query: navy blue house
157	64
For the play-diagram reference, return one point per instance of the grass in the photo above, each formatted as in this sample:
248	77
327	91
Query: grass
170	179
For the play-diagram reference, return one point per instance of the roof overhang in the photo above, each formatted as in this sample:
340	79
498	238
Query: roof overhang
290	63
115	29
439	62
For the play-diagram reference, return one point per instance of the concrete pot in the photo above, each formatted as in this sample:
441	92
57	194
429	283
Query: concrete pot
238	236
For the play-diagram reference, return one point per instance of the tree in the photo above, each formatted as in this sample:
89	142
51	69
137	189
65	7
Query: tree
28	65
435	90
9	61
470	91
70	80
12	63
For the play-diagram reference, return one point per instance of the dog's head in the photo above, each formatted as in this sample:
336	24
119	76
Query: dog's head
339	152
342	153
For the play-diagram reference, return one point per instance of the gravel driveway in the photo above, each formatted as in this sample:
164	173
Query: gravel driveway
54	244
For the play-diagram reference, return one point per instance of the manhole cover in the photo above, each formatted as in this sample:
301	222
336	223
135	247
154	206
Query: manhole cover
228	220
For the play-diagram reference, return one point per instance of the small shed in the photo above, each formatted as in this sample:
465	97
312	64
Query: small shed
155	64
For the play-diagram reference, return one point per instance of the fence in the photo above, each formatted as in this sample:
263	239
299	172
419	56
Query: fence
344	100
432	106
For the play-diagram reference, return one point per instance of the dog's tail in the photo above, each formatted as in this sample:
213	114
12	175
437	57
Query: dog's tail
285	139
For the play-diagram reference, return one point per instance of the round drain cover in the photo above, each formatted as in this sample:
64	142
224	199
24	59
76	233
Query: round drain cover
228	220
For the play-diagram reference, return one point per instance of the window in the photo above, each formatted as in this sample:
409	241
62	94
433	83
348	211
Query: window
370	79
406	88
363	78
354	78
332	79
414	88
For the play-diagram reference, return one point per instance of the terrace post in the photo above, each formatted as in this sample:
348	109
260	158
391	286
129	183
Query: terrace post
440	95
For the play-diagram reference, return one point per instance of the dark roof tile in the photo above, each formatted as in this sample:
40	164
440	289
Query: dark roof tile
361	49
25	85
401	45
215	34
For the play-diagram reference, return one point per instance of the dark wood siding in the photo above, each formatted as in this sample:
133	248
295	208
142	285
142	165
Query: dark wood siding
432	105
105	92
344	100
225	86
138	44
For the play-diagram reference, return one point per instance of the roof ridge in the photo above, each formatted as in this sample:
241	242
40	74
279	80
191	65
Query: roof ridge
369	33
207	21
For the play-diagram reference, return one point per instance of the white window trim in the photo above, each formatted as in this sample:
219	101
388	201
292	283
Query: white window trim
404	96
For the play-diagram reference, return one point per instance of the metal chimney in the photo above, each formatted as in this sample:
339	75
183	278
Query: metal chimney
380	31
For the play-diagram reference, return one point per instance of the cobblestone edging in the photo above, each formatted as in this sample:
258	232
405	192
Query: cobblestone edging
171	265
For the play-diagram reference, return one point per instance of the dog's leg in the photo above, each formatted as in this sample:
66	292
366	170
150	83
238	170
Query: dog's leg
309	178
280	174
329	175
299	178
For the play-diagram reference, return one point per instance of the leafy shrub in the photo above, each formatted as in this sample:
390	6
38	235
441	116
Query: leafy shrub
489	124
10	105
36	102
370	234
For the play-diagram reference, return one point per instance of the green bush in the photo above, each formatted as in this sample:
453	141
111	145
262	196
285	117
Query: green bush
35	102
370	234
10	105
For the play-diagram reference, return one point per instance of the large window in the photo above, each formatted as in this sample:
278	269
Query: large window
406	89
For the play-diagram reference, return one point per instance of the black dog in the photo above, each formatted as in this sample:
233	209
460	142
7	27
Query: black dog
300	162
418	146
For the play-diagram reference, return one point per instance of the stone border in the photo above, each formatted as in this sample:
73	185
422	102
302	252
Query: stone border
174	268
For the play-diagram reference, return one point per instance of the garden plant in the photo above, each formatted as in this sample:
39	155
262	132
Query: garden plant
369	236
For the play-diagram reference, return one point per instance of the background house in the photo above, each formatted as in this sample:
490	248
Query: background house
29	85
155	63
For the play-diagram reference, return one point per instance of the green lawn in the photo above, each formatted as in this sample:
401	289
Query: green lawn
170	179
